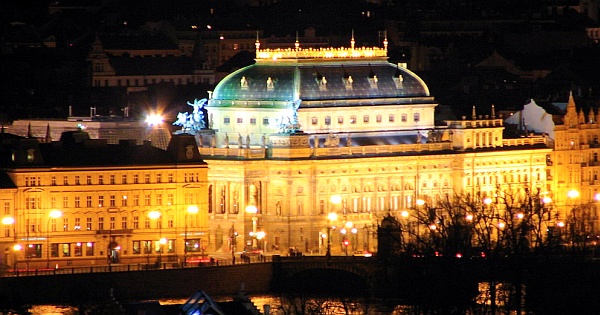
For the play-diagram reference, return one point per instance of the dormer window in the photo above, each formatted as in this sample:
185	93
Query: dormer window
270	84
399	81
348	82
244	83
321	81
373	81
30	155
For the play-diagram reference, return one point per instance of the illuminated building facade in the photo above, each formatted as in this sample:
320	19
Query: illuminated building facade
306	132
82	202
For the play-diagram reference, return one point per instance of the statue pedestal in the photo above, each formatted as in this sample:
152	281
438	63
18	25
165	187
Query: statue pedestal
288	146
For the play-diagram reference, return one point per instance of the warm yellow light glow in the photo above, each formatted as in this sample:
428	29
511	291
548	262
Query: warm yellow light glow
17	247
192	209
520	216
260	235
546	199
349	224
320	53
469	217
404	214
343	231
501	225
420	202
432	226
560	224
154	119
573	193
336	199
163	241
487	201
251	209
8	220
332	216
55	214
597	197
154	215
354	230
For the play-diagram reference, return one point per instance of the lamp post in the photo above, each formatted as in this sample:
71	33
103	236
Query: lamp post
331	217
10	221
53	215
253	210
190	210
156	215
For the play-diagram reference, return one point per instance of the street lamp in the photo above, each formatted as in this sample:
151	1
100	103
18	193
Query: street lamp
253	210
190	210
331	217
156	215
53	215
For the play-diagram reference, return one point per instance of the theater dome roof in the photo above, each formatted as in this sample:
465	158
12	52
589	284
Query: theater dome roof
318	75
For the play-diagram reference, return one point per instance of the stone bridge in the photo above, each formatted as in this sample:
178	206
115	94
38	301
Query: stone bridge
319	274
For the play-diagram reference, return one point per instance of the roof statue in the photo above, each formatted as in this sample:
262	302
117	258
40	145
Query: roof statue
192	122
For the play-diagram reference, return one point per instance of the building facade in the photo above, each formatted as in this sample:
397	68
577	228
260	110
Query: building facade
306	132
82	202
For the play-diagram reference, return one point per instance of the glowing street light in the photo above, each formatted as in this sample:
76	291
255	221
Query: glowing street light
193	209
53	215
156	215
154	119
253	210
331	217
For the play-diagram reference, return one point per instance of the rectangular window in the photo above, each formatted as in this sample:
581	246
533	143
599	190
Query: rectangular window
137	247
226	120
65	180
403	118
147	247
77	180
366	118
314	120
65	202
53	181
353	119
65	224
136	222
100	223
146	200
112	179
88	224
53	250
147	178
392	118
52	203
378	118
170	178
123	179
100	201
159	178
53	225
124	201
170	199
100	180
159	199
240	120
88	180
112	201
340	120
89	249
417	117
112	223
170	220
135	179
88	201
327	120
147	223
265	121
66	250
253	121
77	224
124	222
34	251
78	250
77	202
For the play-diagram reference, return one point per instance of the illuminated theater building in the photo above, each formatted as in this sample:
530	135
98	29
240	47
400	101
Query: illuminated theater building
305	132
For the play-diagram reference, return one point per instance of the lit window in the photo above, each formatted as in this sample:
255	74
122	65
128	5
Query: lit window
378	118
253	121
340	120
226	120
327	120
353	119
417	117
403	118
240	120
366	118
314	120
392	118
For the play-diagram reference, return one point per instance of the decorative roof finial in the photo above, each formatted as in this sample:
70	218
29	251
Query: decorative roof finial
385	40
257	43
474	113
297	44
352	42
